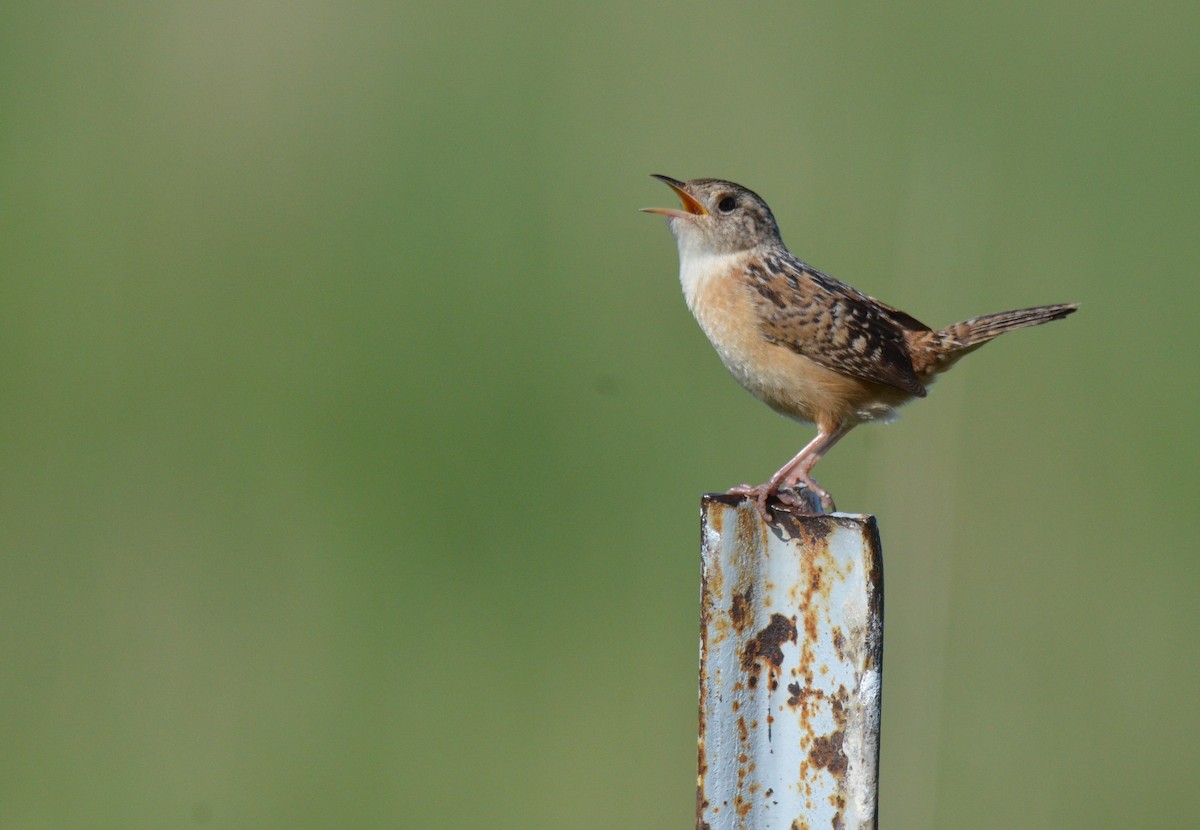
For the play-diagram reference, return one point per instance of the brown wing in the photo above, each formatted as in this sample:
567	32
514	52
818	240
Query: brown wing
831	323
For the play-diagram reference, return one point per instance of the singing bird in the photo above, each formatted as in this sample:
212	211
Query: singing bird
806	344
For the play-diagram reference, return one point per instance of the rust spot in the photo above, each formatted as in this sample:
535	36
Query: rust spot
712	585
810	622
839	642
826	753
807	526
768	645
701	806
837	706
750	531
799	824
723	498
743	732
713	516
740	609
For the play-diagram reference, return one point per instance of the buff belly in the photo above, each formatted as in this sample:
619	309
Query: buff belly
788	382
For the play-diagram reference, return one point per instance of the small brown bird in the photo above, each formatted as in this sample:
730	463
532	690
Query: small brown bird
807	345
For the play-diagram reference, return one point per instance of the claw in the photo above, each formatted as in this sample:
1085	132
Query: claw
761	503
802	496
760	494
810	499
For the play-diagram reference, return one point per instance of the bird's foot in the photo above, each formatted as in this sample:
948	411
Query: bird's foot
809	498
760	494
803	491
812	501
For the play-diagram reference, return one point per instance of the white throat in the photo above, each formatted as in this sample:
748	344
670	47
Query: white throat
698	264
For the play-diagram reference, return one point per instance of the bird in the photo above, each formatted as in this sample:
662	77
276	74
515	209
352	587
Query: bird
809	346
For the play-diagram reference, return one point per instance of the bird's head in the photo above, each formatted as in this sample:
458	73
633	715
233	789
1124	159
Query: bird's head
717	217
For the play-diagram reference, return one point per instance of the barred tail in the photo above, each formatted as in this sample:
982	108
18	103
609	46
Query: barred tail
979	330
941	349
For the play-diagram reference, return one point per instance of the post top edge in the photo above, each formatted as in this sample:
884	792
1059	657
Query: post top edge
709	500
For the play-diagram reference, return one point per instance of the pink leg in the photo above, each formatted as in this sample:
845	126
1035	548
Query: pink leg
796	472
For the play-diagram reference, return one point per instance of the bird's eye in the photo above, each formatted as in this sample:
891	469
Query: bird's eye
727	204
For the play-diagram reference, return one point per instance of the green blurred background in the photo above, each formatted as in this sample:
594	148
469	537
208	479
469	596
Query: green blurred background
353	425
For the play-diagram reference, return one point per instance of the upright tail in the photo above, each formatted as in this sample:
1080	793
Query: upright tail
946	346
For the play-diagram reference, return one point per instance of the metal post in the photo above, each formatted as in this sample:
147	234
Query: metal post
791	661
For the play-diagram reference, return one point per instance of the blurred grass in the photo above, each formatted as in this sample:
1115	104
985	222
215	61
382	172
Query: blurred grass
353	425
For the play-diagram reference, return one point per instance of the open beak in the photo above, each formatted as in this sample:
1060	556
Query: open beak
690	206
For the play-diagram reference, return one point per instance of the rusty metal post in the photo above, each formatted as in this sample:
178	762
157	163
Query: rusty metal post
791	661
